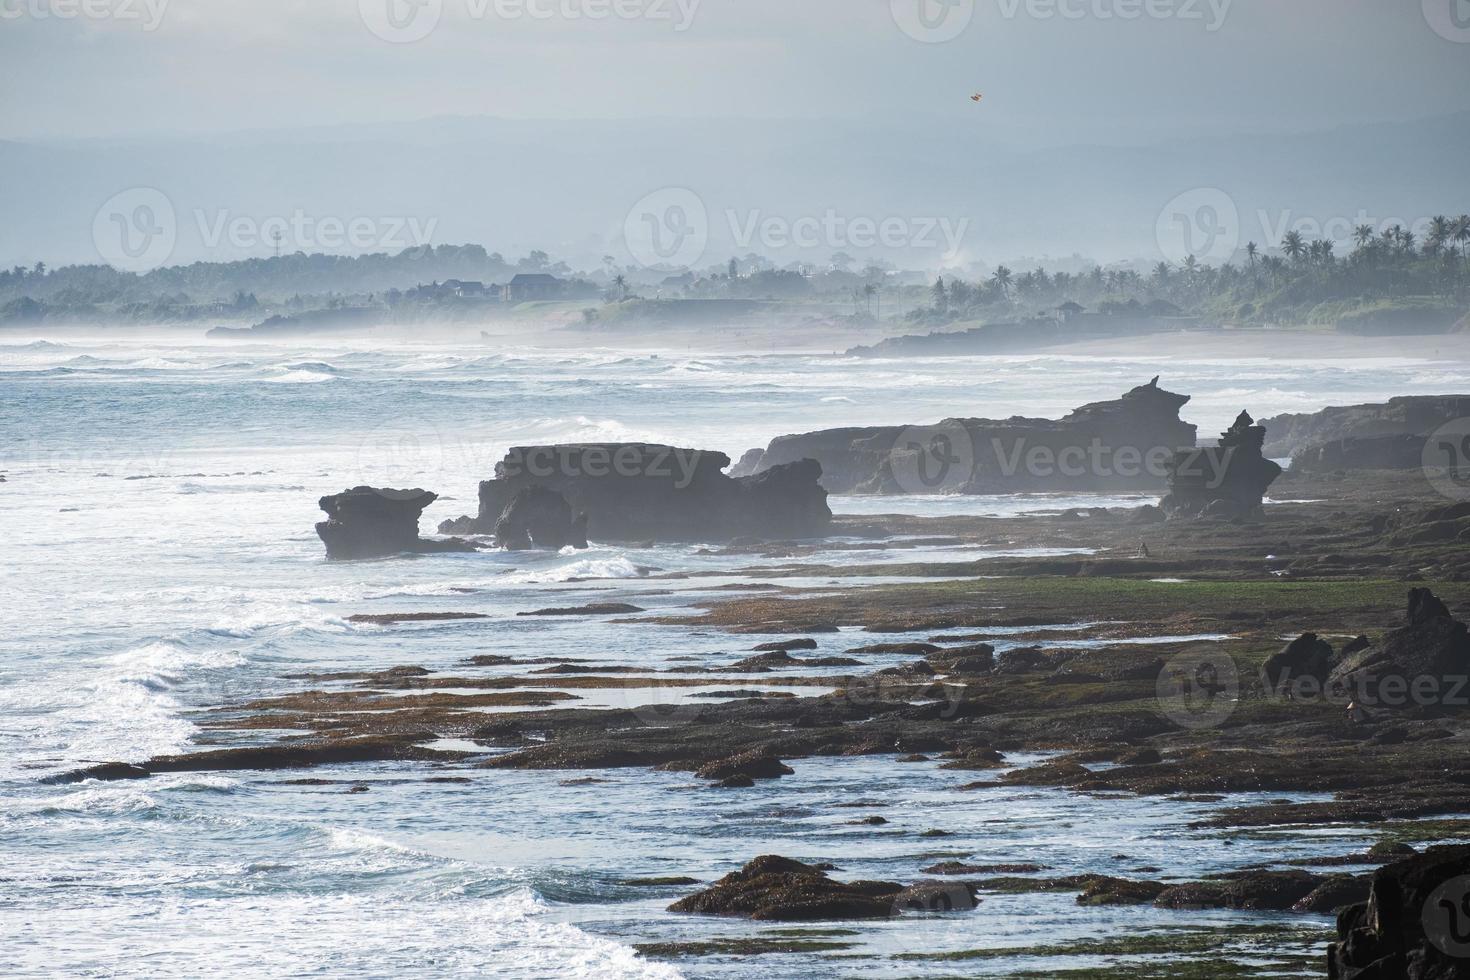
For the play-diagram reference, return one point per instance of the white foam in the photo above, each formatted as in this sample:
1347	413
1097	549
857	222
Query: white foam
586	568
300	377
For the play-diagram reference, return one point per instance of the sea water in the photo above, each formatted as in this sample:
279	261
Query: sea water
160	560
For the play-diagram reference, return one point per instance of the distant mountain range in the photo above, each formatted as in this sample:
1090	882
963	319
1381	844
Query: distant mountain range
568	187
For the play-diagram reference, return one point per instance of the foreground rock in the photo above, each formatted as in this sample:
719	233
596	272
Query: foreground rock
778	889
368	522
1117	445
1415	415
1415	924
1227	481
1423	664
639	492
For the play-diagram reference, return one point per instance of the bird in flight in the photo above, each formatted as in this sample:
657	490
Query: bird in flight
976	97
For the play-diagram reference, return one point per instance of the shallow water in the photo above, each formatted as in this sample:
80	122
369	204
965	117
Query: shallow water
161	560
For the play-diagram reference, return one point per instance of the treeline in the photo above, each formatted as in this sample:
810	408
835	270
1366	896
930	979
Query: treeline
1302	281
203	289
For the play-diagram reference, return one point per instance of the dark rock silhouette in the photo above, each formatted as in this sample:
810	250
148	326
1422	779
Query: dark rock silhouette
1412	925
1423	664
1227	481
1119	445
1393	452
1306	657
641	492
367	522
1287	435
540	518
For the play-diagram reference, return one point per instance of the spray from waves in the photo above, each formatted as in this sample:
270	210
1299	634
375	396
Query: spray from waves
122	707
324	902
579	428
333	934
617	567
299	377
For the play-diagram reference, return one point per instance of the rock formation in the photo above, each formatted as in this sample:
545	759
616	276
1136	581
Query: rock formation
1392	452
1227	481
1112	446
367	522
540	518
773	888
1415	924
1308	657
640	492
1287	435
1424	664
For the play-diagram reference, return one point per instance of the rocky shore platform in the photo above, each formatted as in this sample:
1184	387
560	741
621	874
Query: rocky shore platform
1300	673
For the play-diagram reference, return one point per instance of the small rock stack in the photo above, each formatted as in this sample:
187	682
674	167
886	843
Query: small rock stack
1224	482
367	522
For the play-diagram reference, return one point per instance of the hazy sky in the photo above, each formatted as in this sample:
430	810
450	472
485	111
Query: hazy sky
1053	71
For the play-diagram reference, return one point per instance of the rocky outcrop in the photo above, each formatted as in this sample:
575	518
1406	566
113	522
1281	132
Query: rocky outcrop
1424	664
542	519
1118	445
1306	657
1227	481
1393	452
778	889
1415	924
367	522
1287	435
642	492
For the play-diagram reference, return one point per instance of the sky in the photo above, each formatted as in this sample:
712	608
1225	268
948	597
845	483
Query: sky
1117	129
1053	72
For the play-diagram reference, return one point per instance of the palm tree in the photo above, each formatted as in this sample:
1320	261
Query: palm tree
1294	246
621	281
1251	250
941	295
869	291
1002	280
1275	267
1441	232
1363	235
1461	231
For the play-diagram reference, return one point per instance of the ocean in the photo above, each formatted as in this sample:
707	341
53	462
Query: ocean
160	561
